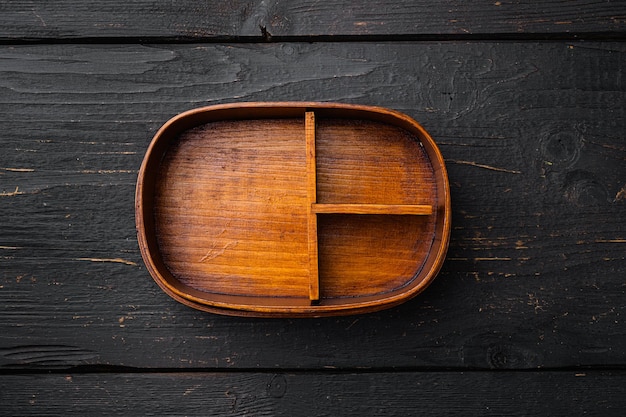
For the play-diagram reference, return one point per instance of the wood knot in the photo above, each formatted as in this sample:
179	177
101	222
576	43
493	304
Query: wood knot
583	189
277	386
560	146
501	357
506	356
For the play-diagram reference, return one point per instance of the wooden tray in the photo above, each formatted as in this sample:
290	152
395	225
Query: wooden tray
292	209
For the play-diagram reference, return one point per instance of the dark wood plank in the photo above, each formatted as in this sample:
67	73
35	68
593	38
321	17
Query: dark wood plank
71	19
288	394
532	134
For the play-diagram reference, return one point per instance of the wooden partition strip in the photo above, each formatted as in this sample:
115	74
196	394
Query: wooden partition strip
413	209
309	128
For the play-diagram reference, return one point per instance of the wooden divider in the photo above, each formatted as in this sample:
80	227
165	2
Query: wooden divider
309	128
313	208
414	209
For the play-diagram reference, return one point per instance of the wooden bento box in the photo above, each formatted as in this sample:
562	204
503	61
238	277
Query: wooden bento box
292	209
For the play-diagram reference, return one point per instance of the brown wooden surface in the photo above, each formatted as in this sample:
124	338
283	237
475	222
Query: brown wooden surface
219	190
224	209
311	188
356	208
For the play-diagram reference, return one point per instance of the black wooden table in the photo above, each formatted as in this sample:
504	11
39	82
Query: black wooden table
526	100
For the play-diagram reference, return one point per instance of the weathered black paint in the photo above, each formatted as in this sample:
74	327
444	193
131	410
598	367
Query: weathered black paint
533	137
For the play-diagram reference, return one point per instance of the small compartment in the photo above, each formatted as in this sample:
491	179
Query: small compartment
369	162
369	255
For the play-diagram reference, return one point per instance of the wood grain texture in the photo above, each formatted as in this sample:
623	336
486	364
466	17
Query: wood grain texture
315	394
231	205
225	197
532	134
311	189
400	209
22	20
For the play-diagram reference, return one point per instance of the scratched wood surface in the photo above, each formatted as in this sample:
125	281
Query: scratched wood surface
531	133
533	137
294	394
28	20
